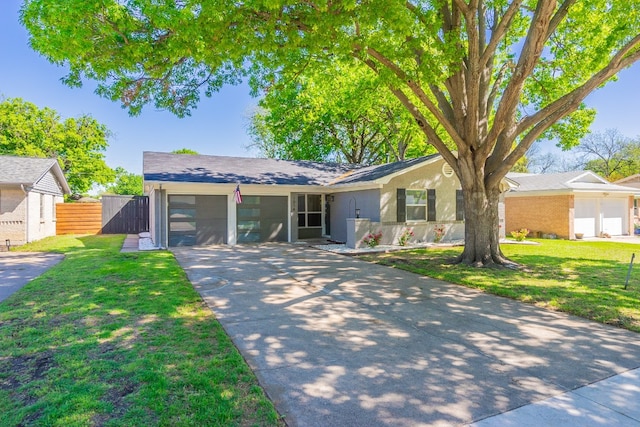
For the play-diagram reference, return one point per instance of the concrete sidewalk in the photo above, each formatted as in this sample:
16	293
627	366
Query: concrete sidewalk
611	402
337	341
18	268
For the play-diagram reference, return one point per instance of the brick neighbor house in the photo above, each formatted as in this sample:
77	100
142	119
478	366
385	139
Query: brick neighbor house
569	204
633	181
29	191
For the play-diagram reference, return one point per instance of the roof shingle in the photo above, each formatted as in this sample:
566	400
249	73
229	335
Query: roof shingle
242	170
23	170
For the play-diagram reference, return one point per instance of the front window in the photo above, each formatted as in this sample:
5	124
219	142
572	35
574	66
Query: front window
416	205
41	207
309	210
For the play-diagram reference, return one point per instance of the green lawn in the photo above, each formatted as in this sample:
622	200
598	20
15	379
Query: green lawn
579	277
111	339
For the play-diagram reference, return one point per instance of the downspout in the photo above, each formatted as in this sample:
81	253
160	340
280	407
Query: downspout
26	228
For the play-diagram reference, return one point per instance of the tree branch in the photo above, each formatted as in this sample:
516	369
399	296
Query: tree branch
426	128
559	16
531	51
417	90
464	8
499	32
619	61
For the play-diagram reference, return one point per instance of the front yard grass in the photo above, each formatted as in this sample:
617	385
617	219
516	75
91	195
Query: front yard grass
584	278
119	339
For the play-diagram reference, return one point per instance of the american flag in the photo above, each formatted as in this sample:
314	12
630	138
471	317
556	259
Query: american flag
237	195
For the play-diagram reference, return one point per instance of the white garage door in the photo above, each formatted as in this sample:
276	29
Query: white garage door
613	216
585	214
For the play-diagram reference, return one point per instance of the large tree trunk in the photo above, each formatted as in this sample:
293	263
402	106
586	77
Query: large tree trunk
482	223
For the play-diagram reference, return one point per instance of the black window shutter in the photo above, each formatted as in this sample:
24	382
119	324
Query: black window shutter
402	204
431	205
459	206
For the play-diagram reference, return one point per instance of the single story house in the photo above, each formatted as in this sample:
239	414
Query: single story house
192	200
633	181
569	204
29	190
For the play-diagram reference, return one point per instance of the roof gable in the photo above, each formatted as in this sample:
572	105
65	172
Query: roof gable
386	171
564	181
30	171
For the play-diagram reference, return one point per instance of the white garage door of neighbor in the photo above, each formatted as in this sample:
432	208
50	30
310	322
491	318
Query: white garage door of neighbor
585	214
613	216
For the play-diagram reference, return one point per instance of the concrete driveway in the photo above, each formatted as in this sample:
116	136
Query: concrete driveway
18	268
339	342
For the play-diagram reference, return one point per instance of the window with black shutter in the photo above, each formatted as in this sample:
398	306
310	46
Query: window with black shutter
459	205
401	197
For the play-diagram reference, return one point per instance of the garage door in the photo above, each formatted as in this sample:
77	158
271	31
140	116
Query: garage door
613	216
197	220
585	215
263	219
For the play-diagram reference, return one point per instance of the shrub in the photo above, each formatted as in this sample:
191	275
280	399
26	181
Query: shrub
520	235
439	231
406	235
372	239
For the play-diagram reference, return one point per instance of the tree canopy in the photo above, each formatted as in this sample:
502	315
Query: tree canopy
338	113
494	75
610	154
77	143
126	183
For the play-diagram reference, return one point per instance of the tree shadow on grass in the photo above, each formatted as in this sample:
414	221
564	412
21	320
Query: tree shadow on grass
590	288
119	338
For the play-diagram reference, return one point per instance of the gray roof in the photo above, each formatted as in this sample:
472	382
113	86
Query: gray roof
29	170
167	167
371	173
570	181
633	179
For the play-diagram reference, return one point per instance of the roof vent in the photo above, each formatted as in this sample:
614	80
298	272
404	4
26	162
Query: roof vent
447	170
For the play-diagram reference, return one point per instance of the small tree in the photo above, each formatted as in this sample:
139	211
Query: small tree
126	183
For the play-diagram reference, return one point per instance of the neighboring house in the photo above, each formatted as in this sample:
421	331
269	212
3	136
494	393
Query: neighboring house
633	181
192	200
29	191
569	203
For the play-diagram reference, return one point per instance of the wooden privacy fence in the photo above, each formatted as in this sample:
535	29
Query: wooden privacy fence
125	214
115	215
78	218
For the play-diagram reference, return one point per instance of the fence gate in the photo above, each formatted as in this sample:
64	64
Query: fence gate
125	214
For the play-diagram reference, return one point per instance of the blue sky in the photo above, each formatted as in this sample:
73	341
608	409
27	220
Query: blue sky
218	125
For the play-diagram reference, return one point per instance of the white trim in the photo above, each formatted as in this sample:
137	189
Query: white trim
568	192
579	177
232	220
385	179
